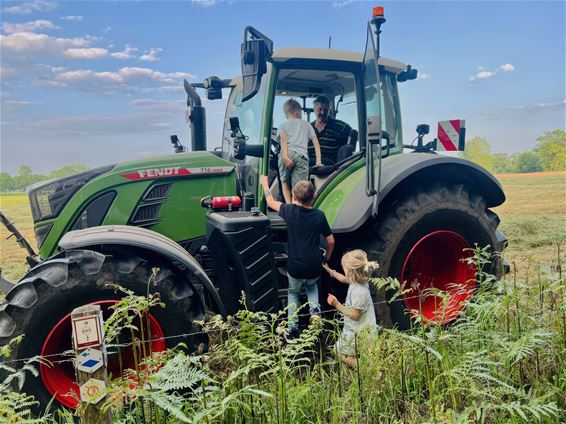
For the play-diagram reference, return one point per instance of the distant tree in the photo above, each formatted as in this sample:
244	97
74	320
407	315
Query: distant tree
68	170
24	171
503	163
478	150
6	182
551	149
26	177
528	162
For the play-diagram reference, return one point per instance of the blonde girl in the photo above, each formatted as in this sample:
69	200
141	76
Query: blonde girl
358	310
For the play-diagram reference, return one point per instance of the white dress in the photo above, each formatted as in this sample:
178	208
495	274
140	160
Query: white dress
358	297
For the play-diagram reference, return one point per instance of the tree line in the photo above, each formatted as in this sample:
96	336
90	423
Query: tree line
548	155
25	176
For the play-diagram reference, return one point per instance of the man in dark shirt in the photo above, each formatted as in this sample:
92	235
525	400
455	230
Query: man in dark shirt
332	134
304	227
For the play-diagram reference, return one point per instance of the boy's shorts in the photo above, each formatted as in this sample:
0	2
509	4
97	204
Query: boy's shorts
297	173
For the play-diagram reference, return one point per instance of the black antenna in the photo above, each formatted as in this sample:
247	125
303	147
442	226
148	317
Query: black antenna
329	41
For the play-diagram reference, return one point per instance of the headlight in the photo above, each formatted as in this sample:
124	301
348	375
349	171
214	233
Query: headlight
47	199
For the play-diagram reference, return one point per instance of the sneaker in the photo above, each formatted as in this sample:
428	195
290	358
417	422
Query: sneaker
314	318
292	336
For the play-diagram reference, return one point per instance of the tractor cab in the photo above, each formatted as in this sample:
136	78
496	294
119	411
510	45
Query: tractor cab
305	74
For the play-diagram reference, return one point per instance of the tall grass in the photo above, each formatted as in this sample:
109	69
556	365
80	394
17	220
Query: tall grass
502	361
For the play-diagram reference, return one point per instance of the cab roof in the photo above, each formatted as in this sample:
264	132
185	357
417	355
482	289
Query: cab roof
284	54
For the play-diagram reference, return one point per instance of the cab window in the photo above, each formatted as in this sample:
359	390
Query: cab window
250	114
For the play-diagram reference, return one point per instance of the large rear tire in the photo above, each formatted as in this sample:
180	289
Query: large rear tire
421	240
40	306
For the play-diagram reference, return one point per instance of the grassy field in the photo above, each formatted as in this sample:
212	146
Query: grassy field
503	361
534	211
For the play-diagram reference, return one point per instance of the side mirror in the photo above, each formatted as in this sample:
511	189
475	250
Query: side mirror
423	129
255	53
407	75
241	149
214	86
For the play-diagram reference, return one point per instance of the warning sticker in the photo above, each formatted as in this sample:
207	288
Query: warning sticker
89	360
86	332
93	391
451	135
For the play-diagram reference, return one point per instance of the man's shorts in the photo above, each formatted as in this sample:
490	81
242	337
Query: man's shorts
297	173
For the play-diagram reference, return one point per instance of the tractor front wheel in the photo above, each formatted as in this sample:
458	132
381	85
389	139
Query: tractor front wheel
41	307
423	240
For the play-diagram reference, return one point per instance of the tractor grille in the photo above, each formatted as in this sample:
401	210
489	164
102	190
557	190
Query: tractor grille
147	210
158	191
146	214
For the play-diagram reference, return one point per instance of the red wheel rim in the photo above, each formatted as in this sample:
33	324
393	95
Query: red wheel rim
435	261
58	374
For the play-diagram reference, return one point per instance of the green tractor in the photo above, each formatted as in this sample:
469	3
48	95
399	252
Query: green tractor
416	213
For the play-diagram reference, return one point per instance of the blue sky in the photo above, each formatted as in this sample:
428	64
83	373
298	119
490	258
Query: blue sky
99	82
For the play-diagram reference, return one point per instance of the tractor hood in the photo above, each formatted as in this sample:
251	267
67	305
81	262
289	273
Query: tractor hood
174	165
159	193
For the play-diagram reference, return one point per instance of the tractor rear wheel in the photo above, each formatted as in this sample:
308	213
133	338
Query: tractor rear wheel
42	303
422	240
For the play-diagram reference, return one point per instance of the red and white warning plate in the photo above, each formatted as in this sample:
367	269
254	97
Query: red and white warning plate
451	135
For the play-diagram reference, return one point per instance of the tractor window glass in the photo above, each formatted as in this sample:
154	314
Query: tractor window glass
391	118
250	115
347	108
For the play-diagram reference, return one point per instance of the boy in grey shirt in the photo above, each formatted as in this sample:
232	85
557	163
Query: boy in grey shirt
294	160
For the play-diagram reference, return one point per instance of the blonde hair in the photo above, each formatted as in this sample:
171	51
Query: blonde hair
360	268
304	192
293	107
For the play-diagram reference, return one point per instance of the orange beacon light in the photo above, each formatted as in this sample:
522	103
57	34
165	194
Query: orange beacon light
377	11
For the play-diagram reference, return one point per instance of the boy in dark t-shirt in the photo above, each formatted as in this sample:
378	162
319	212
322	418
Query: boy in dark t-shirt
304	227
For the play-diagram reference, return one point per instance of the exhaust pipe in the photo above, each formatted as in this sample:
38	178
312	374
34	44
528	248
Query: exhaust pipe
197	118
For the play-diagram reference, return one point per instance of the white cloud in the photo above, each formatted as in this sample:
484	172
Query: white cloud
25	49
72	18
506	68
204	3
30	42
88	53
177	88
340	4
30	7
32	26
484	74
125	54
107	29
160	106
93	125
481	75
151	55
423	76
12	104
515	110
127	79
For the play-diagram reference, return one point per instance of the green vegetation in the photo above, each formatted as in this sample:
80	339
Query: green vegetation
549	155
503	362
26	177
